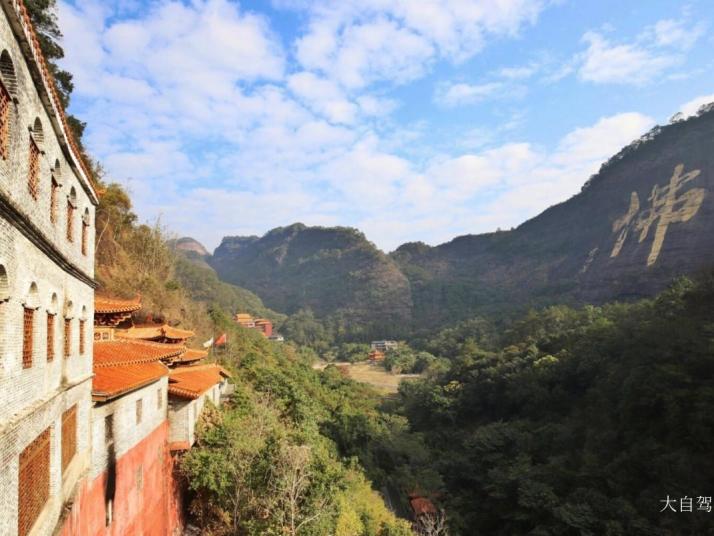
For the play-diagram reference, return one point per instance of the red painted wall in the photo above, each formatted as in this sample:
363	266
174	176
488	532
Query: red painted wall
150	509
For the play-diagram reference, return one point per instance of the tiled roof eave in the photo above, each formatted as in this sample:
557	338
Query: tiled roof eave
103	396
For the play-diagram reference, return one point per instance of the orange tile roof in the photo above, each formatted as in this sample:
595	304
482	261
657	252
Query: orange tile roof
123	352
113	381
55	103
155	331
171	332
192	382
191	355
179	445
105	304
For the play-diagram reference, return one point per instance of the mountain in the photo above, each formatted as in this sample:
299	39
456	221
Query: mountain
333	271
204	285
645	218
191	244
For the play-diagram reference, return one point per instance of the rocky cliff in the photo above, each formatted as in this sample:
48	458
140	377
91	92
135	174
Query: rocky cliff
333	271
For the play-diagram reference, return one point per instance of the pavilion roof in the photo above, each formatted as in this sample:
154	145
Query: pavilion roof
126	352
113	381
192	382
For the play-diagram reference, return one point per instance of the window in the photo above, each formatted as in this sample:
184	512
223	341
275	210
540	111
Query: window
34	482
138	411
81	336
28	324
67	337
109	429
50	337
70	221
140	477
5	106
33	177
84	237
69	436
53	200
159	398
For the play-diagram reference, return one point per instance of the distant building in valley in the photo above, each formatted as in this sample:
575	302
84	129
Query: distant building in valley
263	325
276	337
384	346
376	355
244	319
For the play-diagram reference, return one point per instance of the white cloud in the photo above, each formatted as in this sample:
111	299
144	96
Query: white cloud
605	62
692	107
361	42
455	94
643	60
250	138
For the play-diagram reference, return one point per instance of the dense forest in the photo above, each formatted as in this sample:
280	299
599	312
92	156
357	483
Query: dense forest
576	421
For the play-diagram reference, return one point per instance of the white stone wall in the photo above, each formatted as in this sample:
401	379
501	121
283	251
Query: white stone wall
14	170
34	399
16	436
184	414
127	433
28	277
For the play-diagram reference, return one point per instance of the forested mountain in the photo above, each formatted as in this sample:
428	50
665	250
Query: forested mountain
645	218
332	271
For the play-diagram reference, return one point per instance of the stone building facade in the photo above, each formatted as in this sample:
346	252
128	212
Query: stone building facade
47	205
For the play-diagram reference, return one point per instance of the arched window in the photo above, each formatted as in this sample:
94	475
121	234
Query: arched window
4	285
7	72
54	191
71	206
38	134
82	330
68	329
51	328
33	177
28	325
8	90
85	230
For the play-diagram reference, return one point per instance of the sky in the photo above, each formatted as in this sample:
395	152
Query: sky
410	120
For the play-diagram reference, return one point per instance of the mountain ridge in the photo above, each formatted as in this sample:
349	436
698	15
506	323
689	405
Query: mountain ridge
646	217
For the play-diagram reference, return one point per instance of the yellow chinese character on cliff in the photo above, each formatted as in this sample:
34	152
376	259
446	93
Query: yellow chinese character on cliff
667	206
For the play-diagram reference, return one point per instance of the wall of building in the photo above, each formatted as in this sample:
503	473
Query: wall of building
127	432
14	169
14	437
146	495
184	414
29	278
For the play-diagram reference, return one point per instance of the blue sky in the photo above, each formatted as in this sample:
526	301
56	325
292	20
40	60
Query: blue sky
411	120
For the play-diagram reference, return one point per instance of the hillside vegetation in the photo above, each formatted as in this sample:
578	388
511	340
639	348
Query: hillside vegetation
576	421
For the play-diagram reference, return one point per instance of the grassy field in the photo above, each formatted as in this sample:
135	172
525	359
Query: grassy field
374	375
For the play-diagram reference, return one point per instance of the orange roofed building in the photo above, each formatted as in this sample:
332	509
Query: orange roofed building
147	398
263	325
189	388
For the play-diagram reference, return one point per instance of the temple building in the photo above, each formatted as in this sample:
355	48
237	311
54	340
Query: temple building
47	208
88	398
263	325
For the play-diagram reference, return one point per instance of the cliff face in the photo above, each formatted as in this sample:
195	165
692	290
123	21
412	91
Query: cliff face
191	244
645	218
333	271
